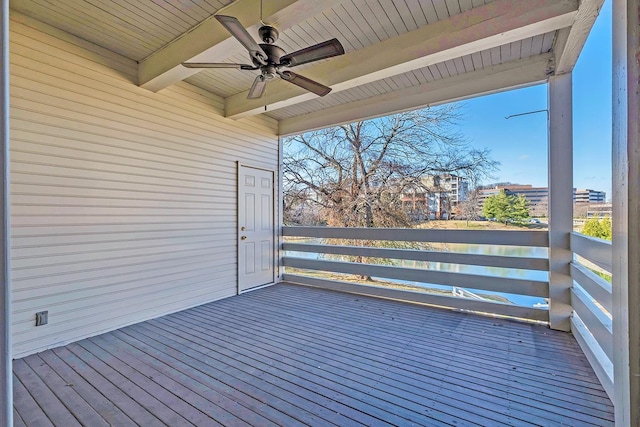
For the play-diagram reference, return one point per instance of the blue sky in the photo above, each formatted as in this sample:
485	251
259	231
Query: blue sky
520	143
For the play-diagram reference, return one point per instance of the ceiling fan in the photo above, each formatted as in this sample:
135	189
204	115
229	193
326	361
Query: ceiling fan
270	59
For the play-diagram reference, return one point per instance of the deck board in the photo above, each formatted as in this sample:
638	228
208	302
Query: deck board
101	404
368	363
66	393
360	370
208	395
27	408
17	420
292	355
307	383
401	377
365	386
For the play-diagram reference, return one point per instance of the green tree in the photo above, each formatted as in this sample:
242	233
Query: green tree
496	206
600	228
504	207
519	208
607	228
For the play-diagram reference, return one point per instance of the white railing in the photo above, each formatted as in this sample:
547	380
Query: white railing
592	304
478	282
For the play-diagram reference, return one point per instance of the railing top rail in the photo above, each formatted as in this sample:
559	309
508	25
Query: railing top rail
482	237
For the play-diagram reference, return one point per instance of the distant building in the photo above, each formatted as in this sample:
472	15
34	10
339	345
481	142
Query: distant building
453	188
538	197
599	210
436	197
439	196
589	196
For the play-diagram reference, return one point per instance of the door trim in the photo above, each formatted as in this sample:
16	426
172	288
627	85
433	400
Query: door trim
275	250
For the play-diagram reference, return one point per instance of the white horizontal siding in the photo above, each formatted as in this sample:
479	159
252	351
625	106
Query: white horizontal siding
123	201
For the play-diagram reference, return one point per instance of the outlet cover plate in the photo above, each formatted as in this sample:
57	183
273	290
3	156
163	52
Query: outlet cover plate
42	318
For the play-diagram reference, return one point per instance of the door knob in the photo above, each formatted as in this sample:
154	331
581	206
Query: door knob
242	228
243	237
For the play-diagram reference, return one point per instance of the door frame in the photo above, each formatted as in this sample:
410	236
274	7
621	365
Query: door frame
274	260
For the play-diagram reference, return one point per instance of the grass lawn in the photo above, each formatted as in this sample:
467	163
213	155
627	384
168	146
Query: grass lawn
478	225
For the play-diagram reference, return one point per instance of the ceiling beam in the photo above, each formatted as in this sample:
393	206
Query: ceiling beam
210	42
509	75
494	24
567	55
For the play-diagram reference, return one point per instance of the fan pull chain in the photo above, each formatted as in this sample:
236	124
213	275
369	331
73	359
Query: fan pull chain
265	95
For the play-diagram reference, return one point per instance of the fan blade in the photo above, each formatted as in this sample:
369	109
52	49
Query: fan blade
313	53
240	33
305	83
257	88
218	65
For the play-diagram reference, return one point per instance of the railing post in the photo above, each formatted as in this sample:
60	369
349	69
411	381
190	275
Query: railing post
6	407
560	200
626	212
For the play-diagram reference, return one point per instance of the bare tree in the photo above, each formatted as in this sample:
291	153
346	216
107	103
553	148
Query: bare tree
580	210
356	174
469	208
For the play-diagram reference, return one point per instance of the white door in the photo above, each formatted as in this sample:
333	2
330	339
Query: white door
256	258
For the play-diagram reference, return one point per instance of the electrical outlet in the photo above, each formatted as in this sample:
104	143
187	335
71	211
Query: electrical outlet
42	318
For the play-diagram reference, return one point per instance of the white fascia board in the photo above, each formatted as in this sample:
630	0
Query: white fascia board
567	55
511	75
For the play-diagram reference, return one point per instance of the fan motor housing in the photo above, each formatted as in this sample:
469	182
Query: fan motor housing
268	34
274	53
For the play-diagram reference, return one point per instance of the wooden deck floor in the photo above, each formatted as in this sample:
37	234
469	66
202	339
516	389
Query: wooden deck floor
290	355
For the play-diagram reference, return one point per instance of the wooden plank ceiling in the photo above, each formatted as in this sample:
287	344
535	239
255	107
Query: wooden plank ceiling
400	54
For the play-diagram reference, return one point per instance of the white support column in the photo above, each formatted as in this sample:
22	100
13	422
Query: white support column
626	212
6	407
560	200
280	223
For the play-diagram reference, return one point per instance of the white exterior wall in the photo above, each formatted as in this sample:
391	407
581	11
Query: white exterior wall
123	201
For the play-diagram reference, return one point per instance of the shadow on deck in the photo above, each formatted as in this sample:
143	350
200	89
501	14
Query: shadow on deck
292	355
